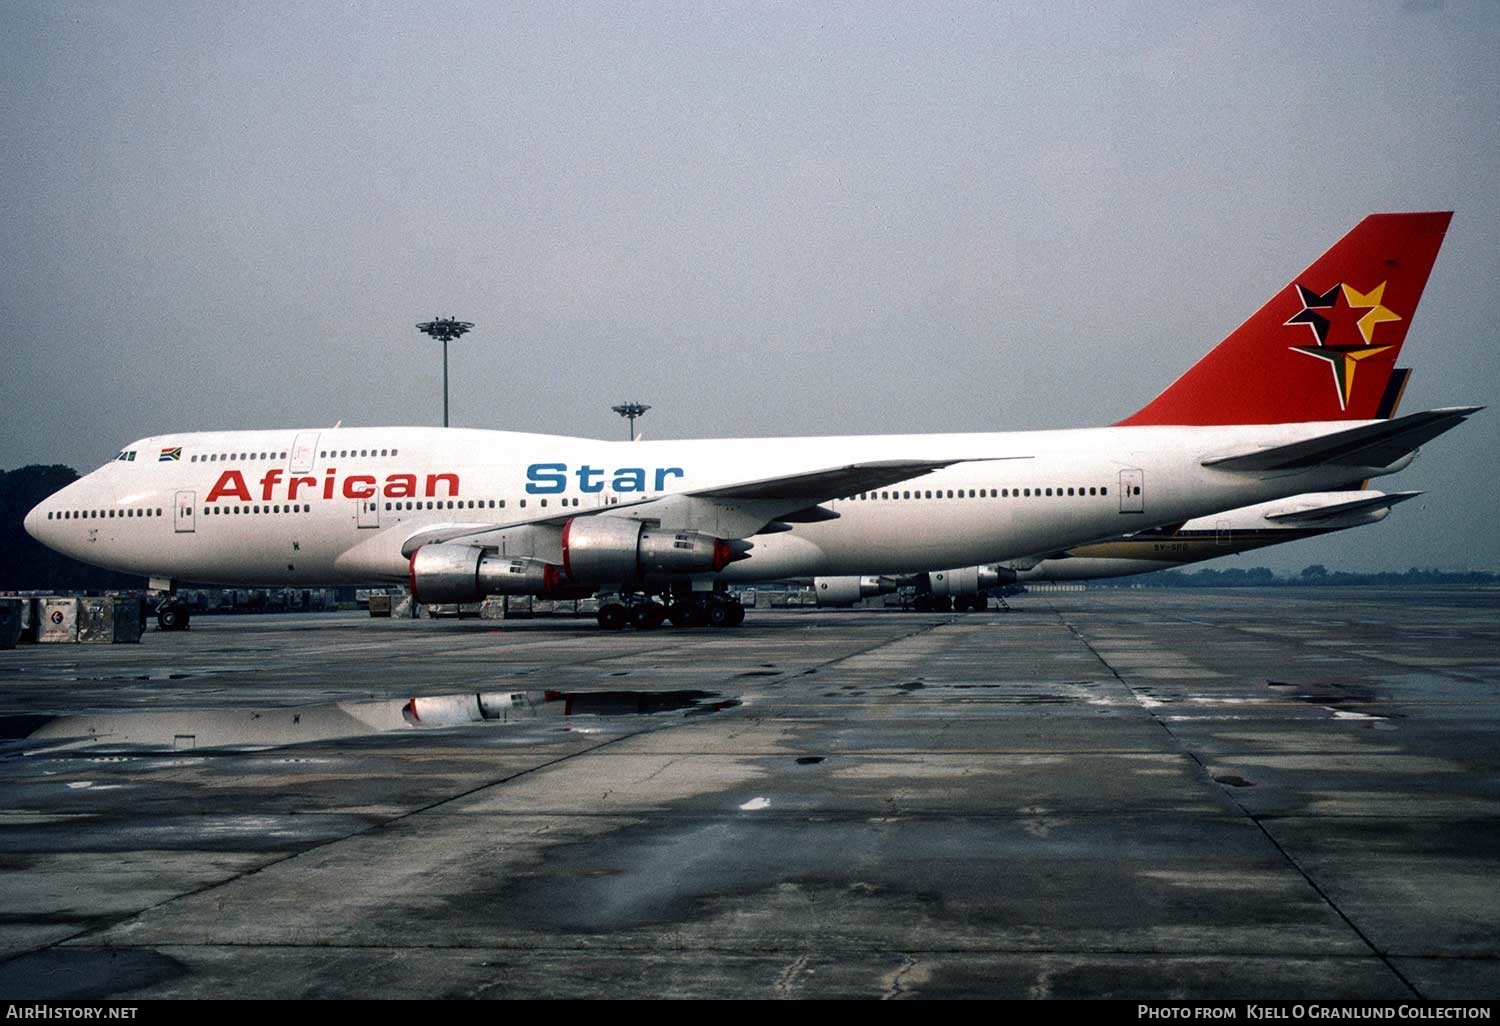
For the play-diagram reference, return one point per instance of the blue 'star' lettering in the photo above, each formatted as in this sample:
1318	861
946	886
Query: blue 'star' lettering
546	478
552	478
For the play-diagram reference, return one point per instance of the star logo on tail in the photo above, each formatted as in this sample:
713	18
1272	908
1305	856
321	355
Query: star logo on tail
1331	317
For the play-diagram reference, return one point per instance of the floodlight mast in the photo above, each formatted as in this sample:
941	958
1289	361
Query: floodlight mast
443	329
631	411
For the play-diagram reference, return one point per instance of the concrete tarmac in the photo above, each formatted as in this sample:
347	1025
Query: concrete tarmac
1251	794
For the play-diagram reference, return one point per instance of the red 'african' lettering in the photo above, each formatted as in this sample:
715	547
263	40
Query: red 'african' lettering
231	485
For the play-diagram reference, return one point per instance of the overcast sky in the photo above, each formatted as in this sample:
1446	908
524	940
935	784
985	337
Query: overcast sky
760	219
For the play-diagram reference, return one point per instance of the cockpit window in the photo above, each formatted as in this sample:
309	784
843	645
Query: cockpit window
127	456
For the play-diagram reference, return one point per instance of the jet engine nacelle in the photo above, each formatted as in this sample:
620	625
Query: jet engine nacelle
1400	464
846	591
454	572
969	580
607	550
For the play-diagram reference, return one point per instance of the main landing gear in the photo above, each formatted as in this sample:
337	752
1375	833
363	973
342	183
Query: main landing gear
697	609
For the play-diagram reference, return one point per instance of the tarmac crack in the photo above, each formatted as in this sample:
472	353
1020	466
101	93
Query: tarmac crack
114	921
895	982
786	983
1290	859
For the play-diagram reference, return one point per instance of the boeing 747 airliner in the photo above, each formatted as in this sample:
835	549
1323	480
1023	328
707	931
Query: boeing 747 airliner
1286	404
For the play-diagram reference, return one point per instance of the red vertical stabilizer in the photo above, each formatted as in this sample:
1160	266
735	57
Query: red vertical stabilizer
1324	347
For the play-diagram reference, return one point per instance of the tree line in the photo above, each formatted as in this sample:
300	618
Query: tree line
1313	576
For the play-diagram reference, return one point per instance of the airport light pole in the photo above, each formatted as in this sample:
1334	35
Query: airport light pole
632	411
444	329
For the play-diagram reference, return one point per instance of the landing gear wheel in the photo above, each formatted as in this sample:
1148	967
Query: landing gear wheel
961	604
978	604
172	617
942	605
736	614
719	614
647	616
613	616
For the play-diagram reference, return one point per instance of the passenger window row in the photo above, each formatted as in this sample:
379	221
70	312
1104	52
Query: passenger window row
98	514
300	507
243	456
339	454
221	457
466	504
982	493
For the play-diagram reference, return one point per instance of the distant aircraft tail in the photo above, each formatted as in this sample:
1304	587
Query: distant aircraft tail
1395	389
1323	348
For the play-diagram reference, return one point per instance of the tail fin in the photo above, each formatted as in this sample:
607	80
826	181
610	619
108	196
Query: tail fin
1323	348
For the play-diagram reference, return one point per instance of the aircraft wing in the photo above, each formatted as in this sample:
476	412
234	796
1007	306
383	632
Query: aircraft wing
1370	445
821	485
735	510
1341	509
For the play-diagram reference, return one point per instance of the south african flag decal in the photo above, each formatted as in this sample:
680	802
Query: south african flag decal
170	455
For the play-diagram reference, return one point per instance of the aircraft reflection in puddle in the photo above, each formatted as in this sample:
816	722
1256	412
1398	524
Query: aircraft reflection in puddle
182	729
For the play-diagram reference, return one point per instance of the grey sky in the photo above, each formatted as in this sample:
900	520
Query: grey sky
761	219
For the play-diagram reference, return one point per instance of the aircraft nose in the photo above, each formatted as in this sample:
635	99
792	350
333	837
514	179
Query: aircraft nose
34	522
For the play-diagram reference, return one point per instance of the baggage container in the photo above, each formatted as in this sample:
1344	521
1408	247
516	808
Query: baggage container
57	619
12	610
30	620
109	621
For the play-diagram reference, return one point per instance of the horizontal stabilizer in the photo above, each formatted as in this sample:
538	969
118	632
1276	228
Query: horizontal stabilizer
1342	509
1371	445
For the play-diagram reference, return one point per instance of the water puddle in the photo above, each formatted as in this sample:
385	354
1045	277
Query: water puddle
73	675
192	729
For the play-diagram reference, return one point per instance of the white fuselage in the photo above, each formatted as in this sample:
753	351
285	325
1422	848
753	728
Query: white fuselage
316	507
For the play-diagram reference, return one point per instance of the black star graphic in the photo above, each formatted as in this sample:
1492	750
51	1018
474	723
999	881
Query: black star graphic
1312	302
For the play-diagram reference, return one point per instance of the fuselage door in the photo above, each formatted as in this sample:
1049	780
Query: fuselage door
368	512
183	512
1223	535
304	452
1132	491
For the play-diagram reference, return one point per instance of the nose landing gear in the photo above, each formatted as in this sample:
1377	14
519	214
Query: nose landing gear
172	615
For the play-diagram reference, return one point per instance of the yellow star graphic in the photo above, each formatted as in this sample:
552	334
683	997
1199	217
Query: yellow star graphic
1348	368
1369	301
1342	360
